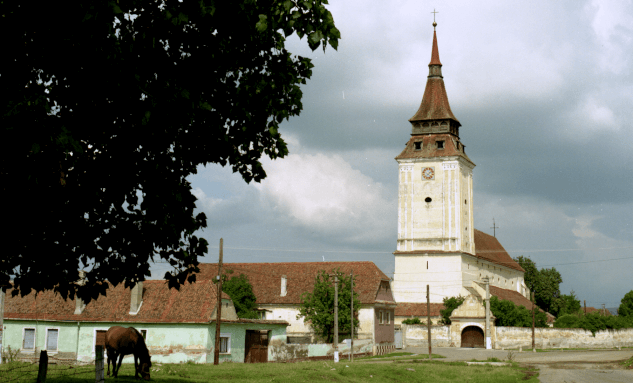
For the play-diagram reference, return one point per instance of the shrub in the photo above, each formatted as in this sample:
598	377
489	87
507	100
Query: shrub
411	321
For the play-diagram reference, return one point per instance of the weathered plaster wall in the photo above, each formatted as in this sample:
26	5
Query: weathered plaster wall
299	328
442	272
66	343
280	351
417	336
514	337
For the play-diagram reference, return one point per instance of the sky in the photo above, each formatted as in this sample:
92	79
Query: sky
543	92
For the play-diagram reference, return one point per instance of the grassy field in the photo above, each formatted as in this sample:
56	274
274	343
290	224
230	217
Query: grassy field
413	371
397	355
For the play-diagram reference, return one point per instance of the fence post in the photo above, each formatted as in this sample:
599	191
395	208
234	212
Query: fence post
99	378
41	373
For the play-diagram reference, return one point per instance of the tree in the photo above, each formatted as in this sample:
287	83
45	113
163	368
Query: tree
317	307
241	292
109	106
509	314
569	304
626	305
545	284
450	304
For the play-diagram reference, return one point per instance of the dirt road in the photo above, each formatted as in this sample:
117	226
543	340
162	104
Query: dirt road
555	366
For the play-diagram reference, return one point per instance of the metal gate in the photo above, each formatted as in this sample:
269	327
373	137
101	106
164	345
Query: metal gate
473	336
398	338
256	346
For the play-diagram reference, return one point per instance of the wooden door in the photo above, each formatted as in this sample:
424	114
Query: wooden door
473	336
256	347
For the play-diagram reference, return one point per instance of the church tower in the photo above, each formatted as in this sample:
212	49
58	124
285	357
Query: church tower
435	199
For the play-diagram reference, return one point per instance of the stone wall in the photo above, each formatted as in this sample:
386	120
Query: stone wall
515	337
280	351
415	335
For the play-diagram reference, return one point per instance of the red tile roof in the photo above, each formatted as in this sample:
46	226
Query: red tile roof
429	147
194	303
488	248
417	309
266	278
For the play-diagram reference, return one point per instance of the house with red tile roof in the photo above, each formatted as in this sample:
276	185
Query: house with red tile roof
278	288
178	325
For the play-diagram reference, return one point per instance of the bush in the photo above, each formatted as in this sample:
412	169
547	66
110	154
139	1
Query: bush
450	304
594	322
411	321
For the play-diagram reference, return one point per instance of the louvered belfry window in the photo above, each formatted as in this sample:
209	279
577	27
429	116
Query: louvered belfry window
29	339
51	339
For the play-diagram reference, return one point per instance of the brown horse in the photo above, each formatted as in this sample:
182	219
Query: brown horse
122	341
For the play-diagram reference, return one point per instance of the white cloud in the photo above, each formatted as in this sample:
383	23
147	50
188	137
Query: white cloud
613	25
326	196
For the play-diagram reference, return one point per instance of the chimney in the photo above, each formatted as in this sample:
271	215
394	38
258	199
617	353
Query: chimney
137	298
79	303
284	285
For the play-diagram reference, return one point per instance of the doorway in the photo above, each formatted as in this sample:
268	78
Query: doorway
473	336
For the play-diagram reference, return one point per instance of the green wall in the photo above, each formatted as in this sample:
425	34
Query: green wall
167	342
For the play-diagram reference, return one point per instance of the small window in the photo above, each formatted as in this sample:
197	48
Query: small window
427	265
144	333
388	317
225	343
28	343
380	317
440	144
465	202
51	339
428	199
418	145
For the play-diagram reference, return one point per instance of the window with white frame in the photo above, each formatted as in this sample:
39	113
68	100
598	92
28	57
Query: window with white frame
52	336
225	343
143	333
387	317
28	339
380	317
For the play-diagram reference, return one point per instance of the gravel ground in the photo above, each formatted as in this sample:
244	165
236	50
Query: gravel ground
554	366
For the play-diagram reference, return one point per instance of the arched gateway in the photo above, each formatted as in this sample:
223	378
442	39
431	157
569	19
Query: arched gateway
473	336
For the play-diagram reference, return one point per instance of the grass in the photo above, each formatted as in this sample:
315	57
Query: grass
628	364
399	355
400	371
565	349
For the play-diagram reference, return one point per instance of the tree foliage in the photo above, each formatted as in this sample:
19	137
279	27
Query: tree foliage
626	305
415	320
545	283
509	314
593	322
450	304
241	292
569	304
109	106
317	307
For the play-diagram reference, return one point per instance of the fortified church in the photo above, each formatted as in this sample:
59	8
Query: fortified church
438	244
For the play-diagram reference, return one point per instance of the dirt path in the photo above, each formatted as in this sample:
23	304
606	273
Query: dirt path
554	366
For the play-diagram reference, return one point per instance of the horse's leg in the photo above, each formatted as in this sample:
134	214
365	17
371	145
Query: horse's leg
119	366
135	367
109	352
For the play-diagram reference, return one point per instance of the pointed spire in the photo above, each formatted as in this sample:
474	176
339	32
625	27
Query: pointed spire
434	104
435	54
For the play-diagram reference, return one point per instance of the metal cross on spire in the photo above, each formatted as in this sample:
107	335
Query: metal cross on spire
494	227
434	23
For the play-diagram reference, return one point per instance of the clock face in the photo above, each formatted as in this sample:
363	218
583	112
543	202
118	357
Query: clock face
428	173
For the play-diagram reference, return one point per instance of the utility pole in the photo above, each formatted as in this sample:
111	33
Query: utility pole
218	311
603	310
351	351
488	341
335	318
428	320
2	294
585	302
533	311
